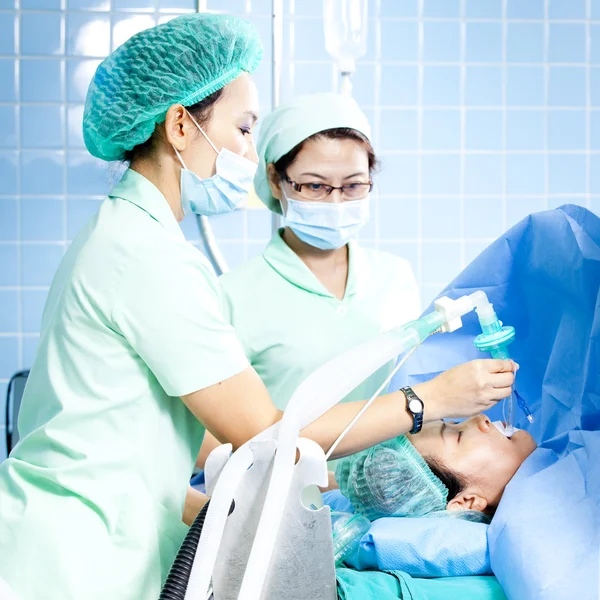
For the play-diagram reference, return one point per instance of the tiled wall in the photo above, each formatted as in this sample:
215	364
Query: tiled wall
483	111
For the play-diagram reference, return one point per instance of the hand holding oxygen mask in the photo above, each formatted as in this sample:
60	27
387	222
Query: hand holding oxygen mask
467	389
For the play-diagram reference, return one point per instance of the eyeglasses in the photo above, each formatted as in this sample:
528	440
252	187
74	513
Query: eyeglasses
319	191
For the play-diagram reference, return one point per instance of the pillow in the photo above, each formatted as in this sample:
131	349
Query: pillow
421	547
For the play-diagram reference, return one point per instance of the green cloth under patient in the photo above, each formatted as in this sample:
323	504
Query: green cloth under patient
396	585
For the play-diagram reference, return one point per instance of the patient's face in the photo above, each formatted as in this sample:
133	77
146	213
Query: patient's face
476	450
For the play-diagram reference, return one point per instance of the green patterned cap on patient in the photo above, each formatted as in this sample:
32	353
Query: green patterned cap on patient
391	479
180	62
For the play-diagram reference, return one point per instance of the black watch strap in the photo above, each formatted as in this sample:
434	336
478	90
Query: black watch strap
414	407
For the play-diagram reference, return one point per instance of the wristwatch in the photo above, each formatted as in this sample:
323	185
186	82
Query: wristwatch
414	407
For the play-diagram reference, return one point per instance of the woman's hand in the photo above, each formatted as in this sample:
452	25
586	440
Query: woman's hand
468	389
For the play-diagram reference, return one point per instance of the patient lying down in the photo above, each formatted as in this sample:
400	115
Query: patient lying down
447	466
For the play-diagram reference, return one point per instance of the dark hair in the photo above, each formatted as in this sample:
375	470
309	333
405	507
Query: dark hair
454	481
201	111
339	133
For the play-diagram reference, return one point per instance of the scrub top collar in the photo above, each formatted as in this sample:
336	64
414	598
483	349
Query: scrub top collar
290	266
135	188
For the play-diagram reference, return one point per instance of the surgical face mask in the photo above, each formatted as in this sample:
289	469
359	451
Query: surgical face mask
326	225
222	192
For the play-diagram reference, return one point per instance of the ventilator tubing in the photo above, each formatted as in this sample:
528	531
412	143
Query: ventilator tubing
322	390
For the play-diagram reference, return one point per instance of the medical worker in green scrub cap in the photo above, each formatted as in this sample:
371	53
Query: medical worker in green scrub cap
135	359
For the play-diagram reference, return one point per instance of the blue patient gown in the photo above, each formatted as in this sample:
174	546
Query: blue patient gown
543	277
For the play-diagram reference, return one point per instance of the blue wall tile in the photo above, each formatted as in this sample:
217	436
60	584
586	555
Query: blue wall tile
595	9
9	357
40	34
595	130
399	129
9	224
42	171
567	173
526	130
309	42
567	9
307	8
30	344
88	34
519	208
399	40
567	86
94	5
42	126
398	174
441	261
525	42
179	5
441	8
567	42
363	84
133	5
312	78
79	75
398	8
441	86
525	86
567	130
7	32
79	213
33	302
7	77
9	275
484	9
8	171
9	311
482	218
41	80
441	129
595	43
525	9
8	127
595	86
595	174
484	173
87	175
441	41
39	263
42	219
484	129
484	42
526	174
474	249
441	174
483	86
74	126
397	214
41	4
399	85
441	217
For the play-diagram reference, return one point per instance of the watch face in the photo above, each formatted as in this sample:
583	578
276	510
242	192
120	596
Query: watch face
415	406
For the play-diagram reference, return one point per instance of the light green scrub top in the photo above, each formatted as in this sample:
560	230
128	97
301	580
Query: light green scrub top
91	499
289	323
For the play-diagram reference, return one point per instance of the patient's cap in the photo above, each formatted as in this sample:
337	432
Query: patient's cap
391	479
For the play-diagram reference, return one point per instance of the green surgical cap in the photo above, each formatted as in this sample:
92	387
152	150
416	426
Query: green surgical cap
180	62
293	122
391	479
